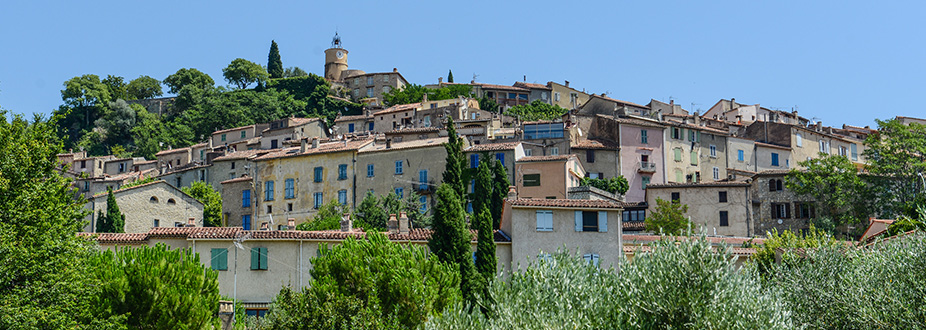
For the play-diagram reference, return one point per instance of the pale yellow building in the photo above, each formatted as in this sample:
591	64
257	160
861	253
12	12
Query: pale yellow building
411	168
718	208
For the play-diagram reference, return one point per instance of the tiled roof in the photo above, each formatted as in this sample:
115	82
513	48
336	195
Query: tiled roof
769	145
117	238
232	129
398	108
171	151
531	85
327	147
619	101
508	88
733	250
203	233
697	127
773	172
493	147
239	179
633	225
699	184
180	232
414	130
423	143
243	154
596	144
293	122
629	238
129	188
633	121
352	118
544	158
567	203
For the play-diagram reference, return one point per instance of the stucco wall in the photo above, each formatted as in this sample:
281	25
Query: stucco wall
632	150
528	243
140	211
385	180
704	207
748	147
301	170
553	177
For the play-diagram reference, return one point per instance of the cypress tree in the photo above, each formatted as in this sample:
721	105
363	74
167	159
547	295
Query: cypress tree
485	248
450	76
482	192
450	240
274	63
115	220
101	222
453	174
499	192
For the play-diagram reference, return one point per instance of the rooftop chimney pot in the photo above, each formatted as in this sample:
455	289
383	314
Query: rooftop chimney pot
191	222
403	223
314	142
291	223
346	223
392	224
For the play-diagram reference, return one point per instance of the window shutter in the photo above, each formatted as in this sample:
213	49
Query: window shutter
540	222
788	210
263	258
774	209
223	261
595	258
255	258
603	221
215	259
578	220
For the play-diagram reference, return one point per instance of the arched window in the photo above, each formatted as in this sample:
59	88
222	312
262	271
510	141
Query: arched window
771	185
778	183
171	201
153	199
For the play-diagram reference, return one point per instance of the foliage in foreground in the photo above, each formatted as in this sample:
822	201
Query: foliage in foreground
680	285
370	284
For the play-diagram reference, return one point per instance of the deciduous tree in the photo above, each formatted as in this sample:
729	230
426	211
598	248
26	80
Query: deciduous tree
537	110
669	218
144	87
896	157
184	77
211	199
616	185
834	183
242	73
328	217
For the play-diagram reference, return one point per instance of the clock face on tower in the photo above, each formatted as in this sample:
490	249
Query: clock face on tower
339	54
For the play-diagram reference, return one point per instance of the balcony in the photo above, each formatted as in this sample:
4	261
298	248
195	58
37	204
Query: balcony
647	167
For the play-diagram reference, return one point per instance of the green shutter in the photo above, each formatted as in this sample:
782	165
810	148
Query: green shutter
223	260
255	258
263	258
215	259
678	154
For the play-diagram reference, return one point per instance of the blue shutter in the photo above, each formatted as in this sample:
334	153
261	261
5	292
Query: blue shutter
500	157
423	179
246	222
603	221
578	220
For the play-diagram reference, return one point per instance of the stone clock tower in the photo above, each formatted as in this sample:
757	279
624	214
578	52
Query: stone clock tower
335	59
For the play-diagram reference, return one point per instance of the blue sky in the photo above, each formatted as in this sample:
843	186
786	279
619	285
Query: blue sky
839	61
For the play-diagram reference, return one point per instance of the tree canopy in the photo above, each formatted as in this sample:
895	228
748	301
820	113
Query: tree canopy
143	87
669	218
328	217
834	183
274	63
537	110
618	185
242	73
211	199
185	77
413	93
896	158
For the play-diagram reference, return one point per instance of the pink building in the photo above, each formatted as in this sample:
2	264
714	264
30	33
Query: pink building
642	158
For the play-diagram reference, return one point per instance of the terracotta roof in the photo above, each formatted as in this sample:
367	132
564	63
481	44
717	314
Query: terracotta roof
423	143
509	88
398	108
531	85
414	130
327	147
181	232
244	154
493	147
117	238
631	238
699	184
769	145
596	144
634	121
238	179
232	129
132	187
352	118
733	250
171	151
567	203
773	172
202	233
128	175
633	225
544	158
697	127
292	122
619	101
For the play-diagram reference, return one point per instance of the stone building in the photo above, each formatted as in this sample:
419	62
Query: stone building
717	208
408	168
362	86
291	130
777	207
233	165
146	206
238	200
506	152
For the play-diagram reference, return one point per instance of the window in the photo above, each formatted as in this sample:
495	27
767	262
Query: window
781	210
544	220
171	201
591	221
423	180
370	127
740	155
474	161
423	200
269	209
694	157
679	177
676	197
369	91
843	151
246	198
386	78
400	192
86	185
590	155
83	164
804	210
246	222
634	215
799	140
259	258
268	191
678	154
528	152
500	156
121	167
369	170
713	151
386	89
233	165
823	147
157	223
319	173
398	167
342	172
350	128
554	151
244	134
716	173
531	180
676	133
219	259
724	219
591	259
643	137
318	200
369	80
691	135
469	207
289	207
556	96
290	188
645	181
722	196
543	131
223	137
342	197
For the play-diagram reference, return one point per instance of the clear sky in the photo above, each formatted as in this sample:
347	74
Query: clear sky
838	61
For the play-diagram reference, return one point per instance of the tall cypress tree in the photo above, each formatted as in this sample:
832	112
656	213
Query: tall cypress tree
115	220
482	192
499	192
274	63
453	174
450	76
450	240
485	248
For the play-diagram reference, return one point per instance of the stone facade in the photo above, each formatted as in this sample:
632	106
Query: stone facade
285	131
422	165
776	207
146	206
238	200
717	208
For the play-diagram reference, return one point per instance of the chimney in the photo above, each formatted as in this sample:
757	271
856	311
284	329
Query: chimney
392	224
512	193
388	143
403	223
302	145
191	222
567	83
346	223
697	119
424	97
671	102
291	223
395	70
314	142
819	125
264	226
440	80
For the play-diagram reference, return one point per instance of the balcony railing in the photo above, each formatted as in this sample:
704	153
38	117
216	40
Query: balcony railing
647	167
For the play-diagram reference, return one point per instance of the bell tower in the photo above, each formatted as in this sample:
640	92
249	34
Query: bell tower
335	59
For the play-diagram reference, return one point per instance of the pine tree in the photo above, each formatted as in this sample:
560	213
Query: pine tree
499	192
485	248
453	174
115	220
450	240
274	63
450	76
